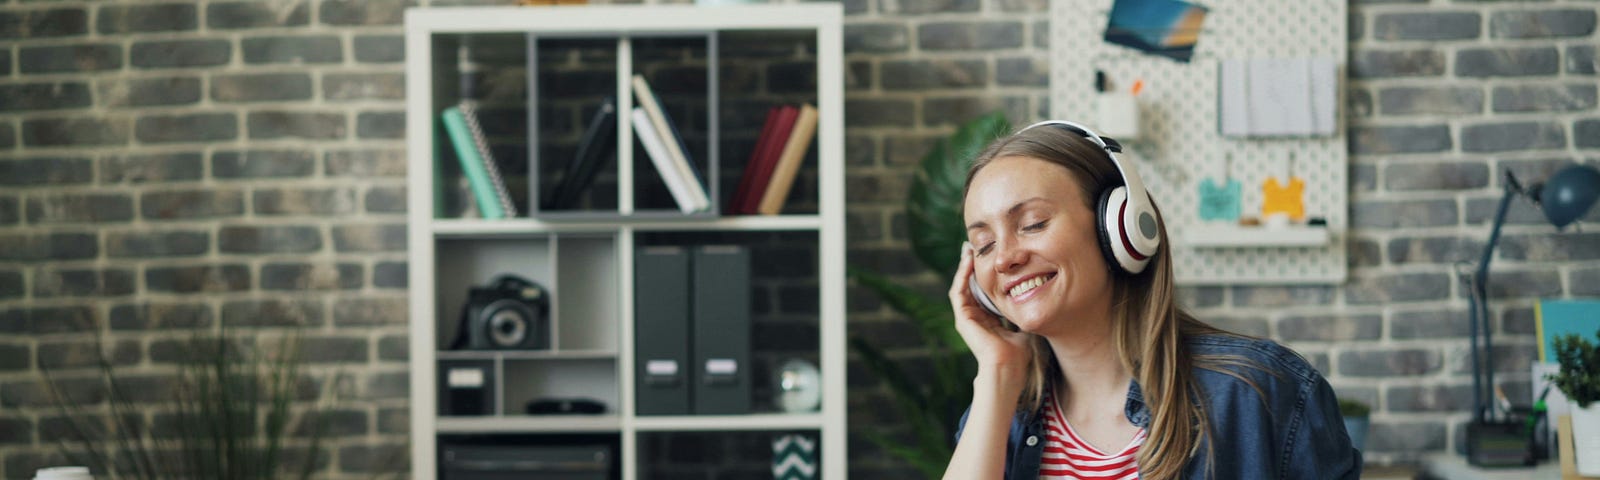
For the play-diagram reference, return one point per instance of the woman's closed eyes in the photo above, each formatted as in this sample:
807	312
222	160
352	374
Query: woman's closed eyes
1030	228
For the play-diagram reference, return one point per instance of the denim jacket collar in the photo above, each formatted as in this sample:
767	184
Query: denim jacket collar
1135	410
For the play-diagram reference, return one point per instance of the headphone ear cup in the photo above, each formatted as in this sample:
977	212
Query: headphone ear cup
1109	240
1113	241
983	300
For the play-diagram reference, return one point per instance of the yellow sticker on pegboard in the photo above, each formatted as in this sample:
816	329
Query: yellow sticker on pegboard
1279	198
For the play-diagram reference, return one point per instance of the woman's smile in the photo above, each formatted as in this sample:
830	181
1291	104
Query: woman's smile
1027	288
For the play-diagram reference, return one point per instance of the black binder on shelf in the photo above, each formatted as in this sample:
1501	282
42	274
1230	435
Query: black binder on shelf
467	387
661	331
721	325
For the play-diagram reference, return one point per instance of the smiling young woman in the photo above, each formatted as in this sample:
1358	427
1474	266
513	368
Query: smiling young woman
1087	366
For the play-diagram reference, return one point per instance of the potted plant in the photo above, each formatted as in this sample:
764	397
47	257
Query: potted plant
930	408
237	407
1579	379
1357	418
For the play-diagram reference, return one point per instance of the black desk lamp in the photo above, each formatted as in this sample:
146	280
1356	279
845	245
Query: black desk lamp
1564	198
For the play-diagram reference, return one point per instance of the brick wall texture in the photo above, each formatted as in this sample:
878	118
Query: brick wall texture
173	165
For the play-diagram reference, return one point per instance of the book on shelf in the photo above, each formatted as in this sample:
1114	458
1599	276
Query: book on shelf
755	153
594	147
794	153
480	143
671	142
657	151
765	158
477	162
439	185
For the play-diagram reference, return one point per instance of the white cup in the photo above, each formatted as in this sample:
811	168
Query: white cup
63	473
1277	220
1119	116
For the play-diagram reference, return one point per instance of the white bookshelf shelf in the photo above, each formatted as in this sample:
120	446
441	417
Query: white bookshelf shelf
528	226
529	424
1226	236
721	423
527	354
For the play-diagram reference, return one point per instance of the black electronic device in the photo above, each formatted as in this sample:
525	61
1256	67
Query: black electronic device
511	313
565	406
518	457
1499	444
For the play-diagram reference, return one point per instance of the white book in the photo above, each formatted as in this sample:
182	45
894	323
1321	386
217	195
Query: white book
1233	88
1280	97
680	161
658	156
1324	95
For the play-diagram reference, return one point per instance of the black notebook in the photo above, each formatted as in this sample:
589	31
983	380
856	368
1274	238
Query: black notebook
593	151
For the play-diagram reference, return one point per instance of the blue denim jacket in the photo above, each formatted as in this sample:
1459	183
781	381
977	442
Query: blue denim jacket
1295	433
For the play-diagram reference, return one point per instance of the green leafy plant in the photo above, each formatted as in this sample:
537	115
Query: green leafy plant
933	207
231	413
1354	408
1579	377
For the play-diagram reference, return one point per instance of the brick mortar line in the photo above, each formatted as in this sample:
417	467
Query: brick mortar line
180	188
245	189
1481	84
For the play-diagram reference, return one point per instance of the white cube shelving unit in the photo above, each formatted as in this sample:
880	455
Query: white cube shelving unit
586	261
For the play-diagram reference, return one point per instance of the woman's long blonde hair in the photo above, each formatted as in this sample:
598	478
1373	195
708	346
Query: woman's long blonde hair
1150	339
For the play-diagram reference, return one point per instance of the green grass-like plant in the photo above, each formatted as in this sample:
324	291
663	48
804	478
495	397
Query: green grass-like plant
237	411
1354	408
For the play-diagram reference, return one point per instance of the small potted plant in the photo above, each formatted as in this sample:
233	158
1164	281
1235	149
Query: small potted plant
1579	379
1357	417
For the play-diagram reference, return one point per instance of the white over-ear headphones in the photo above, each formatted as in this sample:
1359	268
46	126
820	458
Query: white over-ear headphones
1129	231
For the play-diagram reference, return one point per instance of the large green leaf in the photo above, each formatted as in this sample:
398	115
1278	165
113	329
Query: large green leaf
932	316
929	463
933	205
931	447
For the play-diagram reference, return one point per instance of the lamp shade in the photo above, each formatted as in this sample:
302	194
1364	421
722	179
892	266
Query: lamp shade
1569	194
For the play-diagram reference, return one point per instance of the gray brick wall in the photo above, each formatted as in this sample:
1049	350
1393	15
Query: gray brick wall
183	163
173	165
1500	100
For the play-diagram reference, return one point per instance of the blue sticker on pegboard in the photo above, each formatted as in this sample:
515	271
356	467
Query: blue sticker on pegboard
1220	202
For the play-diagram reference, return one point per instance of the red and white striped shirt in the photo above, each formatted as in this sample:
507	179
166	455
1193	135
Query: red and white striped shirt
1069	457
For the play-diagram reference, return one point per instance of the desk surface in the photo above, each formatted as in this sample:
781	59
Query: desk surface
1449	466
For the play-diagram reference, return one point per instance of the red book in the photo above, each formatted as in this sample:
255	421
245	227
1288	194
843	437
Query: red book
768	160
748	178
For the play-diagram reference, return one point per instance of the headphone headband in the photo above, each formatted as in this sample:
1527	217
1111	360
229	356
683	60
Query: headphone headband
1130	229
1130	175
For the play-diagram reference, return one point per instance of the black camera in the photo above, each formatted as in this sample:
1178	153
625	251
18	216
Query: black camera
511	313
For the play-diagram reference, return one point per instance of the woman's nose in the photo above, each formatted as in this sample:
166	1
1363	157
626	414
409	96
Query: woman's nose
1008	256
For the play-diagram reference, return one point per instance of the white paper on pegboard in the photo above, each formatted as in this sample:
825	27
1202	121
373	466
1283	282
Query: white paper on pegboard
1180	144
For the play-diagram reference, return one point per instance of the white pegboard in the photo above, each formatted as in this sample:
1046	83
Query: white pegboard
1180	144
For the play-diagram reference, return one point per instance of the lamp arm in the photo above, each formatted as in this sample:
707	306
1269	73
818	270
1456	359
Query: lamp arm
1483	371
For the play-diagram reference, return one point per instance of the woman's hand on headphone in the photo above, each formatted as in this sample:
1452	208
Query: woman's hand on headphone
997	348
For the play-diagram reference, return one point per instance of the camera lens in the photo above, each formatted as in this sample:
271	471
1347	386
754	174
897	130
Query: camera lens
507	328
